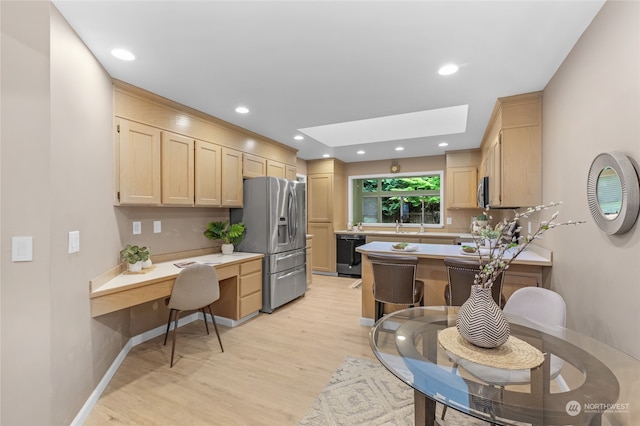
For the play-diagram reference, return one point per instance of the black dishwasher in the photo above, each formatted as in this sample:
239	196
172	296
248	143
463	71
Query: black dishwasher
348	260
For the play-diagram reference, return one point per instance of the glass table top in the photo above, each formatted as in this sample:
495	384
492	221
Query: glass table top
596	382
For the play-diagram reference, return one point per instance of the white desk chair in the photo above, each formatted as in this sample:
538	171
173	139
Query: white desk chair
196	288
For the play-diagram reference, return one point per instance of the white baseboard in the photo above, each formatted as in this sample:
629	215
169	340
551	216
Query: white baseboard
367	322
134	341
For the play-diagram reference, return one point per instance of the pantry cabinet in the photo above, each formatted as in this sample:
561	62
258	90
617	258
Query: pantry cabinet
326	191
138	155
512	151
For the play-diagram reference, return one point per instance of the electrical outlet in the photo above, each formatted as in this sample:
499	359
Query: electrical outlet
449	221
157	227
137	228
74	241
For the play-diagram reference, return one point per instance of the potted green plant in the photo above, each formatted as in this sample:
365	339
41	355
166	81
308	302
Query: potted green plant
482	220
229	234
134	256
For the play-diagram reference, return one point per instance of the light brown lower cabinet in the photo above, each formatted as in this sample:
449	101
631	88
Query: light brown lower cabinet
250	287
324	246
309	253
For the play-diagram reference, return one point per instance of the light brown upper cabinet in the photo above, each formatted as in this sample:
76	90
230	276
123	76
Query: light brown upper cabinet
231	178
462	186
512	151
138	172
320	193
177	170
164	168
208	174
290	172
253	166
276	169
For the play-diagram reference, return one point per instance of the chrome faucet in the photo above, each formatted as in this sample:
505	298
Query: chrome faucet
398	225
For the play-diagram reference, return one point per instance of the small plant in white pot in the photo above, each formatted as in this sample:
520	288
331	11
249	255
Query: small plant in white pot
229	234
134	256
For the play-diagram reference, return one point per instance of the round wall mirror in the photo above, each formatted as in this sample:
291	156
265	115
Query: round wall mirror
613	192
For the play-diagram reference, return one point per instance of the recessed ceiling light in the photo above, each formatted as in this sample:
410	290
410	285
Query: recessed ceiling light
298	137
242	110
326	155
448	69
443	144
123	54
360	152
399	148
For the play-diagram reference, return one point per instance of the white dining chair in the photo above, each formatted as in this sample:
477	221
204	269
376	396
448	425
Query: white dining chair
535	304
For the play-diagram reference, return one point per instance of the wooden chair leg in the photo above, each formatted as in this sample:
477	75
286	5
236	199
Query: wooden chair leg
213	320
175	330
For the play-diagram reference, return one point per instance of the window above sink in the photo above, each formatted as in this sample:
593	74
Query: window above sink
410	199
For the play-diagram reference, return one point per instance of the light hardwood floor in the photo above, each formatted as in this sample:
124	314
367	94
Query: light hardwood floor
270	373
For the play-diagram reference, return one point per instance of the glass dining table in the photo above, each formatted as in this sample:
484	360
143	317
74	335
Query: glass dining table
598	385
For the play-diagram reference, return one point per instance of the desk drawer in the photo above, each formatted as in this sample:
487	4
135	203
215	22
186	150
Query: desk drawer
250	267
225	272
251	283
250	304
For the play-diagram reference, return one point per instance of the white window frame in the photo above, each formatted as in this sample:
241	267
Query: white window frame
394	175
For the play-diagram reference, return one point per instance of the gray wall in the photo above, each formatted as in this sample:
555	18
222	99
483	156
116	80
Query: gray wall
57	169
592	105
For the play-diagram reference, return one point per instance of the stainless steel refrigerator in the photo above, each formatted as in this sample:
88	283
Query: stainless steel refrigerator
274	216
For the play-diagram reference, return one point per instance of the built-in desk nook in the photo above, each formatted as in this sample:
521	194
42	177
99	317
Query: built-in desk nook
239	274
526	270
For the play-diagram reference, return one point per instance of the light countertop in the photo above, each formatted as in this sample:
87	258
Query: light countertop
167	270
406	233
536	256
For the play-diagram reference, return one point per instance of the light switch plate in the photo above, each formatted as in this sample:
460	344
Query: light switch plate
157	227
74	241
449	221
22	249
137	228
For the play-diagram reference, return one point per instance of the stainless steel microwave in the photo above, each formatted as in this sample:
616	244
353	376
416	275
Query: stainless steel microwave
483	192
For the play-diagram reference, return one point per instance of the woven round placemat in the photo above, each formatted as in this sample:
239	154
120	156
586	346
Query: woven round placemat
514	354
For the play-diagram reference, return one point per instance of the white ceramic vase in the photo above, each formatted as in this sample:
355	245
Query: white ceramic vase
135	267
480	320
227	248
147	264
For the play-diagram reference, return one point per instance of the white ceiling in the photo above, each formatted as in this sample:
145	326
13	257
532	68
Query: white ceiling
309	64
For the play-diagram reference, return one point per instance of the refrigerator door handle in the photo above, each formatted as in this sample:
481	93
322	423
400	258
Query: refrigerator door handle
292	215
294	272
287	256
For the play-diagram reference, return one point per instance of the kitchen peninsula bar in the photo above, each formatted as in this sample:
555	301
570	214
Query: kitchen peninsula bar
527	270
239	274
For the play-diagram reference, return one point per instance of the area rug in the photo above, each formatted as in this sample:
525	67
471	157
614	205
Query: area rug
362	392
